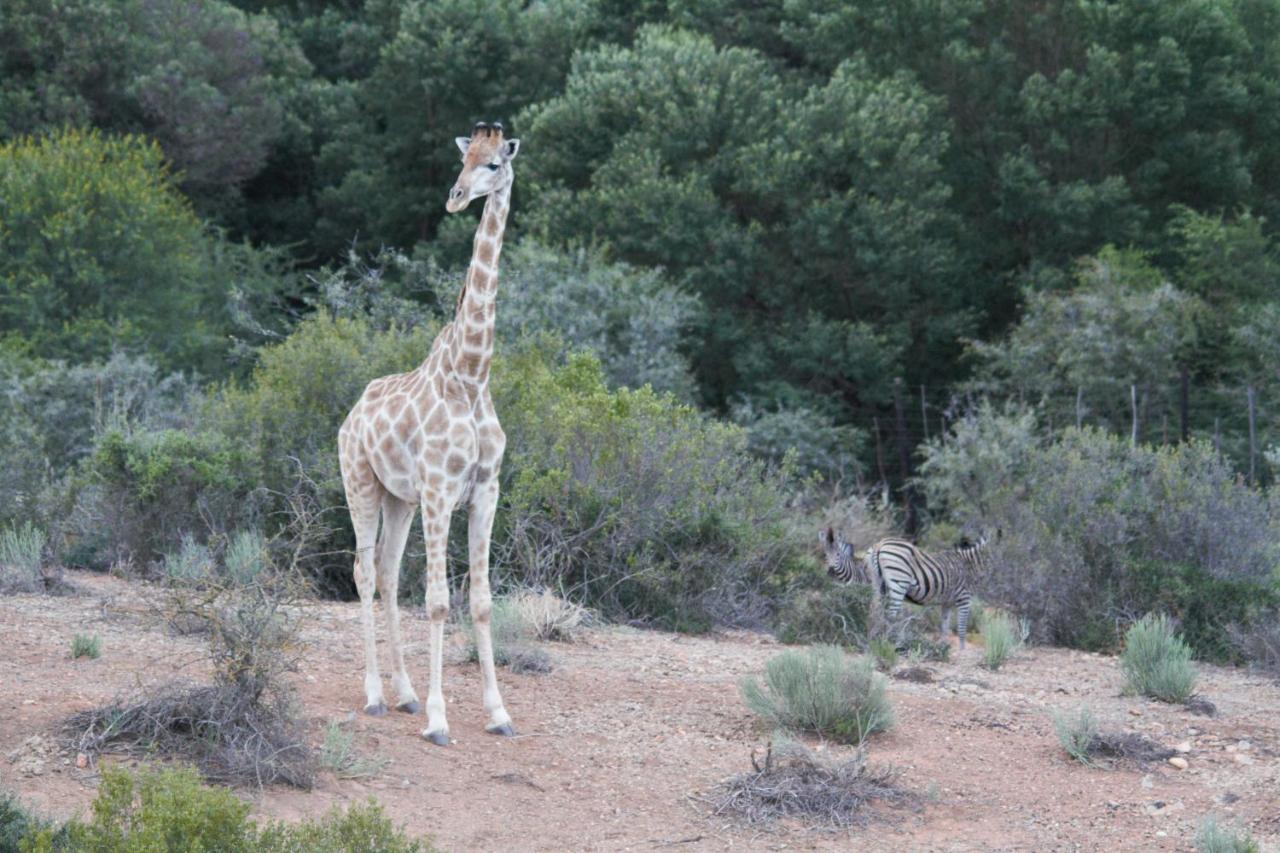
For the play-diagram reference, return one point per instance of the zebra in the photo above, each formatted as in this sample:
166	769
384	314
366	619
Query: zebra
898	569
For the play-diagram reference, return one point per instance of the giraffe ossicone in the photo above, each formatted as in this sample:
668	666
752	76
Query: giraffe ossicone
431	438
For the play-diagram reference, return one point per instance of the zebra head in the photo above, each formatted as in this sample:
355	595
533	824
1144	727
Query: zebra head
838	554
974	552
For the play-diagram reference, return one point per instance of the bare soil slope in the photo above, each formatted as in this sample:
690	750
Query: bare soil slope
618	742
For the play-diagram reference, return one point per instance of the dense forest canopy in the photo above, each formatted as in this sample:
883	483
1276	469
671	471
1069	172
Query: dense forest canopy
844	205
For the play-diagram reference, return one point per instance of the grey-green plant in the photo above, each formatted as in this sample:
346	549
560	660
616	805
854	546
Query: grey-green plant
246	556
1001	638
1077	733
885	653
21	551
1212	837
338	753
514	637
821	690
1156	662
192	564
85	646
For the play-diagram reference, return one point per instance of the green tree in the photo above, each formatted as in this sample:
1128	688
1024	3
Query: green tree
99	250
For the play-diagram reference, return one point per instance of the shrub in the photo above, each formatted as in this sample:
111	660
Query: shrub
885	654
512	634
169	809
19	824
140	494
84	646
1000	640
814	442
192	564
1077	734
285	419
1082	740
246	557
21	552
338	753
1097	530
636	504
833	613
243	727
795	783
1212	838
821	691
1156	662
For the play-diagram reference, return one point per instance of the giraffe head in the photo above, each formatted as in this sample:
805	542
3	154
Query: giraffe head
486	165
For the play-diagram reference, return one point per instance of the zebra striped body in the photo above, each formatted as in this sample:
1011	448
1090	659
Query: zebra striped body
899	570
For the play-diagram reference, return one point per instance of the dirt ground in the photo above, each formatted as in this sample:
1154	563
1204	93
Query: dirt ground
618	742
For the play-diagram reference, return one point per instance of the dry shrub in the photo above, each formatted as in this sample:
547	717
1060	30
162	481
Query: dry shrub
1083	741
918	674
243	728
795	783
549	616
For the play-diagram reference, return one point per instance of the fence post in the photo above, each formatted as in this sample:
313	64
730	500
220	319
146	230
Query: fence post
875	421
1184	401
1133	405
904	456
1252	445
924	413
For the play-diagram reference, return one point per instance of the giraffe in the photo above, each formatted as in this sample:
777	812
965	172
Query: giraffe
431	437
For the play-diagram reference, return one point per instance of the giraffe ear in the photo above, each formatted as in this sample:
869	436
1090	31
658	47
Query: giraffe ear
509	149
464	142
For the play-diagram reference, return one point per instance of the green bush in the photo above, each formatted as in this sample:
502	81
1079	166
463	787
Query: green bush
1156	662
169	809
635	503
1077	734
141	493
833	613
1000	640
1212	838
338	753
285	417
513	635
820	690
84	646
18	823
192	564
21	555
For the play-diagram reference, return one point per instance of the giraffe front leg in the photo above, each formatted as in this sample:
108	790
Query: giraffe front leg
435	527
484	503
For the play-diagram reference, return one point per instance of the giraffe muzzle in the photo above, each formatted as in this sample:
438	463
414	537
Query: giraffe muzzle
457	199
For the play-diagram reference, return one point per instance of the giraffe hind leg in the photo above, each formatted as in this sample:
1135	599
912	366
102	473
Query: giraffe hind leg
364	495
397	517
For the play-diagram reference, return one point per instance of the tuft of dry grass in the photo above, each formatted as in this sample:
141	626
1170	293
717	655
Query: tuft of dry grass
1083	741
795	783
549	616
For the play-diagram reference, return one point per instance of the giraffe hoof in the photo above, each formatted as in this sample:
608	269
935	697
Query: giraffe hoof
438	738
378	710
504	730
409	707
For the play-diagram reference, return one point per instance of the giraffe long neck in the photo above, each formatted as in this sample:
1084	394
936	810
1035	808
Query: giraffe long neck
473	323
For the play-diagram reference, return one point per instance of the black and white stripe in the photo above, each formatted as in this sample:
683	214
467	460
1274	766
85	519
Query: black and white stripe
900	570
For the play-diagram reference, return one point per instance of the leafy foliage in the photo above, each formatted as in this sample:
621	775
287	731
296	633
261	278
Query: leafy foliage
169	809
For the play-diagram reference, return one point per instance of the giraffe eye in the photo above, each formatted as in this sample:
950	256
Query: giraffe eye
492	167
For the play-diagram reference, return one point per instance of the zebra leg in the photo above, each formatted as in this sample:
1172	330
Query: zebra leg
962	620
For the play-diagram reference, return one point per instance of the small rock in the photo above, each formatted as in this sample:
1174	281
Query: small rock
1178	762
1242	758
1183	747
1244	746
82	760
1231	747
1147	782
1193	732
1137	712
